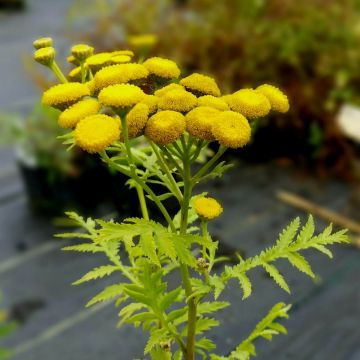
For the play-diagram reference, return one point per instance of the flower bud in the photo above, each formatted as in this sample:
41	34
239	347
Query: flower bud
202	264
72	60
45	56
81	51
43	42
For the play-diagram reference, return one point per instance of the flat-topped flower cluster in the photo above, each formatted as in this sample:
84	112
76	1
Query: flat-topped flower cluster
153	98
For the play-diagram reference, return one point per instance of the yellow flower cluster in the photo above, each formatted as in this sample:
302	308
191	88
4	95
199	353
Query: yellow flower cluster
250	103
213	102
231	129
62	96
96	132
207	208
173	86
119	74
164	68
278	100
136	119
177	100
72	115
165	127
199	122
142	41
151	101
121	96
201	83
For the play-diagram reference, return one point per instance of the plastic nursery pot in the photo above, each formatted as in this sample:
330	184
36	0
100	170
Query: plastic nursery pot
51	193
12	4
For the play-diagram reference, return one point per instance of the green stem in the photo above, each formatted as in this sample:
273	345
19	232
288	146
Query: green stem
172	159
209	164
56	70
143	185
139	188
83	71
175	334
190	346
205	234
166	170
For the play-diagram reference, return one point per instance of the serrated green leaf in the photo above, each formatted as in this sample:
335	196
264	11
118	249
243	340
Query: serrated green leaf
90	247
288	234
140	317
300	263
205	343
97	273
217	284
324	250
245	284
176	314
74	235
307	231
266	328
182	251
128	310
149	248
108	293
278	278
170	298
137	293
155	338
211	307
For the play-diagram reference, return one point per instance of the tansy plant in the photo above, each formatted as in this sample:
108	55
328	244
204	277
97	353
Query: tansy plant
108	100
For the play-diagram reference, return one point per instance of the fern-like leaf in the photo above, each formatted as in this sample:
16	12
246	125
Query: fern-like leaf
288	246
109	293
97	273
266	328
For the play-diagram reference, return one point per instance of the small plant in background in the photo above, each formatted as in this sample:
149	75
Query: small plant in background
6	327
247	42
53	177
34	138
106	108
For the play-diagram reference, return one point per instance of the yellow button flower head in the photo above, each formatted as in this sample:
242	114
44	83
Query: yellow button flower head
201	83
231	129
62	96
152	102
164	68
91	86
200	121
82	51
249	103
45	55
165	127
136	119
207	208
121	95
214	102
120	59
97	61
72	115
96	132
278	100
119	74
123	52
43	42
141	41
168	88
177	100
